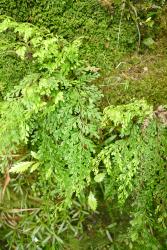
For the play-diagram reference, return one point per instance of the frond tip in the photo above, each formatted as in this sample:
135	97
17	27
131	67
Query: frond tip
92	202
21	167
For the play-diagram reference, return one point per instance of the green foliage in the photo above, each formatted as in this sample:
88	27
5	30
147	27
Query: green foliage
70	172
92	202
134	160
52	113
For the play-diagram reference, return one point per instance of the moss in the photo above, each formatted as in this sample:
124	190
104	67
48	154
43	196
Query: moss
73	19
98	28
138	77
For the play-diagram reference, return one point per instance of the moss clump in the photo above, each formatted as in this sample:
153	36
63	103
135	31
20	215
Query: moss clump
138	76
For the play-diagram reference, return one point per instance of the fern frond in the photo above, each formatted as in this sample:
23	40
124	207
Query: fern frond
92	202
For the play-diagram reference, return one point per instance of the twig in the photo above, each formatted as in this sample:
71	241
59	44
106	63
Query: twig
6	183
120	64
18	210
137	25
120	23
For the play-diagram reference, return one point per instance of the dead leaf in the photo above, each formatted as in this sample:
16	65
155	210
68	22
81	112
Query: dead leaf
93	69
6	183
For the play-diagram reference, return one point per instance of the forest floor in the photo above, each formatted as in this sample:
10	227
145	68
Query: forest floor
137	76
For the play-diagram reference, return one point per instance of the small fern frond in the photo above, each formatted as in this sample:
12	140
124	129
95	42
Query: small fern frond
21	167
92	202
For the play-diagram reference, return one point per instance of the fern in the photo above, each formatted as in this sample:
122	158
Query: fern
56	104
21	167
134	160
51	130
92	202
53	113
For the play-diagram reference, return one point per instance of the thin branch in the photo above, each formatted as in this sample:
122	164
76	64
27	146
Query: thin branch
120	23
137	25
6	183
